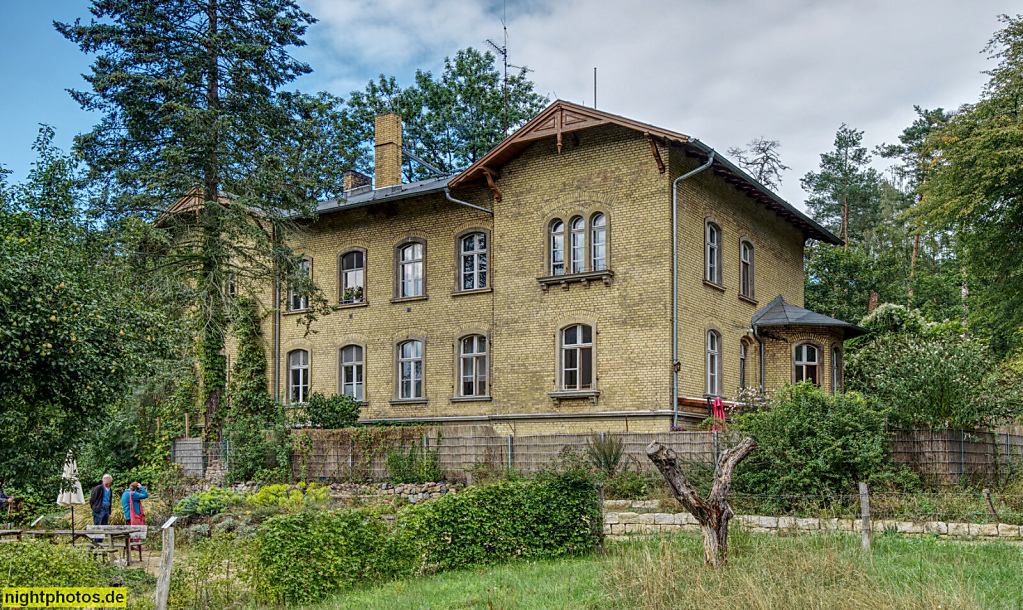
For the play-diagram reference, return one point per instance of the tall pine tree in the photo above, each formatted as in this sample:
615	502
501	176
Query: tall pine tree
190	96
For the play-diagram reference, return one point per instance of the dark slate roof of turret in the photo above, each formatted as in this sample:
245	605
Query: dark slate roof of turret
780	313
367	195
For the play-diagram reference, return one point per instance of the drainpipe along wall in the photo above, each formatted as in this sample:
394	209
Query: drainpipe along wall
674	283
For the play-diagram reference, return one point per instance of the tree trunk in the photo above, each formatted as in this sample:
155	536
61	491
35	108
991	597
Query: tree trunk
714	512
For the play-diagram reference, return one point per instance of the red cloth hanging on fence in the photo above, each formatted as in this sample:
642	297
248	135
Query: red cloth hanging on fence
718	411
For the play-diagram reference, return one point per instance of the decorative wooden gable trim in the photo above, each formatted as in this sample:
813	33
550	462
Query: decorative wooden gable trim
557	120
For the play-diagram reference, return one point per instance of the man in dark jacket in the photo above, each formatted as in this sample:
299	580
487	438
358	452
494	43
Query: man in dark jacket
99	500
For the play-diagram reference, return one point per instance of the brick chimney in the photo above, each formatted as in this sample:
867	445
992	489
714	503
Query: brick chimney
387	153
352	179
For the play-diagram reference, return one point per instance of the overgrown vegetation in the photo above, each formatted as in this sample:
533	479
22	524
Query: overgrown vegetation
307	555
338	411
418	464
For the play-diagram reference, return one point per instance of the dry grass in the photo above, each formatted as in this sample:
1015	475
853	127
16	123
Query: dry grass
814	571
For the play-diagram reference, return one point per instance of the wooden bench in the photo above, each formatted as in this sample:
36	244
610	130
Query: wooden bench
133	536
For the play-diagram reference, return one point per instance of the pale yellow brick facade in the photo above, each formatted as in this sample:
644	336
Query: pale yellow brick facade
608	169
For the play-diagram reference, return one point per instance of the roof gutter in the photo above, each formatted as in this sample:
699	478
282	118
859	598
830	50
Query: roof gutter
447	193
675	365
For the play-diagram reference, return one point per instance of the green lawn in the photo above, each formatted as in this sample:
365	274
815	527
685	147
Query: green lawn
808	571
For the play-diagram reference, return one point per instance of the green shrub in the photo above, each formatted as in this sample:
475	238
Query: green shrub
338	411
208	578
605	453
301	557
207	503
41	564
810	442
419	464
291	497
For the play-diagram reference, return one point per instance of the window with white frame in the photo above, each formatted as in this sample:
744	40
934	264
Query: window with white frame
473	366
807	363
296	300
298	376
351	372
747	269
577	357
353	273
836	369
410	270
410	370
557	241
713	363
474	262
577	253
598	242
713	253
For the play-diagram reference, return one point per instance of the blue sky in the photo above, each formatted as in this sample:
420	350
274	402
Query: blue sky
724	71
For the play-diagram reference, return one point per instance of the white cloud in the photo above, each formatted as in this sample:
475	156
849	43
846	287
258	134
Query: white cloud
723	71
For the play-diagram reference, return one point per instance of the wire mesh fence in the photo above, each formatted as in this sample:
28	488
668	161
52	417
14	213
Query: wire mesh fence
941	457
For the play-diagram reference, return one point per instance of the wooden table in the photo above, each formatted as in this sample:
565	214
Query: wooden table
115	533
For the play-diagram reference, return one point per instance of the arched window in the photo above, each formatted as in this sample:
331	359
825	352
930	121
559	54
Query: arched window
747	269
807	362
410	370
410	270
742	364
351	372
473	366
598	242
298	376
713	363
577	357
297	301
578	246
557	239
713	253
836	370
474	261
353	270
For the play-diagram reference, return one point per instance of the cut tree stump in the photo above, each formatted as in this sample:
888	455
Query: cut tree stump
714	512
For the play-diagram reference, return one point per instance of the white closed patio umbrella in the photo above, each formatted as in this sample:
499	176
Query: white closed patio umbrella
70	489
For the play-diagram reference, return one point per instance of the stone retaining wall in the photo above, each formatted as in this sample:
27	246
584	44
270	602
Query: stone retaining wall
622	523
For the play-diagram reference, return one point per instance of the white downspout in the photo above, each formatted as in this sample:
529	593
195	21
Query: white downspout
674	284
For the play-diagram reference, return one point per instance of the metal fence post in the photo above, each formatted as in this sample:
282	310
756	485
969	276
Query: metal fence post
509	452
227	455
962	456
715	447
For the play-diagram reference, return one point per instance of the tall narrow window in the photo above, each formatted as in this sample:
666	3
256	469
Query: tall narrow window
351	371
410	370
746	269
836	370
713	363
713	253
577	357
411	270
296	300
807	364
473	365
298	376
598	242
474	261
557	238
353	268
742	364
578	251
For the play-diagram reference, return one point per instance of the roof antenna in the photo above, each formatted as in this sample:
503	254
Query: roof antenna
503	52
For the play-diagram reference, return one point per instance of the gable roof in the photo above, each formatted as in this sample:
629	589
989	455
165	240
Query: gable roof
780	313
563	117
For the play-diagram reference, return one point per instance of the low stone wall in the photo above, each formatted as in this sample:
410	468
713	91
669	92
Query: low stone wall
619	523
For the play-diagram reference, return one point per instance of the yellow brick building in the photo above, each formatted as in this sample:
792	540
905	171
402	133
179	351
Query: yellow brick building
533	291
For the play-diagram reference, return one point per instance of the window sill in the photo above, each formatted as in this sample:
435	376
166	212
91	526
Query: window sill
408	401
471	398
350	305
604	275
408	299
747	299
560	395
714	285
462	293
294	312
